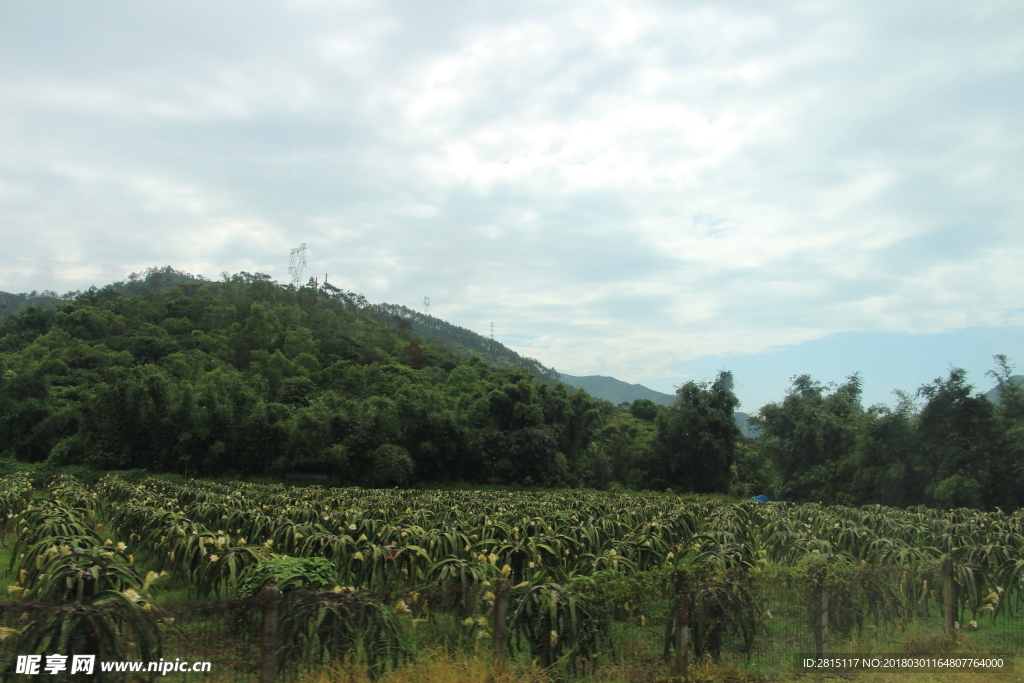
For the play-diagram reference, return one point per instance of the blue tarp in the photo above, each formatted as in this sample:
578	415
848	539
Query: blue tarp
761	499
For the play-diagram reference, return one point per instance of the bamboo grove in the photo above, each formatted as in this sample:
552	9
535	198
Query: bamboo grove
397	558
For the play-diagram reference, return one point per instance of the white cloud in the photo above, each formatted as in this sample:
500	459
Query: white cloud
629	189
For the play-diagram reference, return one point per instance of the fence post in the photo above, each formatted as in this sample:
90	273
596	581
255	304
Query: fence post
682	623
270	600
499	637
823	628
949	595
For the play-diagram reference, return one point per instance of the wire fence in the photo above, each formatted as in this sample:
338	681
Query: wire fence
759	620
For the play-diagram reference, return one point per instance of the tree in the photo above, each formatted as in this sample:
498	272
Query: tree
808	434
752	472
886	468
696	438
1010	413
390	466
417	358
625	440
959	437
644	409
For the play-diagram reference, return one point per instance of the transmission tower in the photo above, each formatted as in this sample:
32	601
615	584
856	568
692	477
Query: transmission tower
426	304
296	264
492	337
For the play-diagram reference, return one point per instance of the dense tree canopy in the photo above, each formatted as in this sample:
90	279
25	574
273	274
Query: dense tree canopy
248	377
245	376
957	450
697	435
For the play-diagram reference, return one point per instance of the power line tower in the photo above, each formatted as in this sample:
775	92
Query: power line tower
426	304
296	264
492	337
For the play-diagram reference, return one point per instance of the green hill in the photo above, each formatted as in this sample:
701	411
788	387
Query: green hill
459	339
152	281
249	377
13	304
440	334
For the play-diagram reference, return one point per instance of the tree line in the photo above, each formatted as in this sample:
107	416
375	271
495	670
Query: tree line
945	446
245	376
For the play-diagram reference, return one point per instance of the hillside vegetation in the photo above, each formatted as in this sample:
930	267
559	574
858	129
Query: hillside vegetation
247	377
459	340
150	282
244	376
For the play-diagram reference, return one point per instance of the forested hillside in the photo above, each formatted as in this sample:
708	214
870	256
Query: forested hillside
150	282
459	340
244	376
12	304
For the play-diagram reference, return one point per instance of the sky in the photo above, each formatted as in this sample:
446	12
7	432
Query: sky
654	191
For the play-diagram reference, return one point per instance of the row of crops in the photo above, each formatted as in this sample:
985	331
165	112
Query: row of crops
577	561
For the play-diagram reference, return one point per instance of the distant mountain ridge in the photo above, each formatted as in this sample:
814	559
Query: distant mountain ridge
459	339
615	390
13	304
993	393
151	281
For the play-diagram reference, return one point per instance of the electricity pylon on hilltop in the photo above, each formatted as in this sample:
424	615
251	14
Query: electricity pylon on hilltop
296	264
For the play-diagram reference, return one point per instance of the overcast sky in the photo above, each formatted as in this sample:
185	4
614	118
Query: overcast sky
653	191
